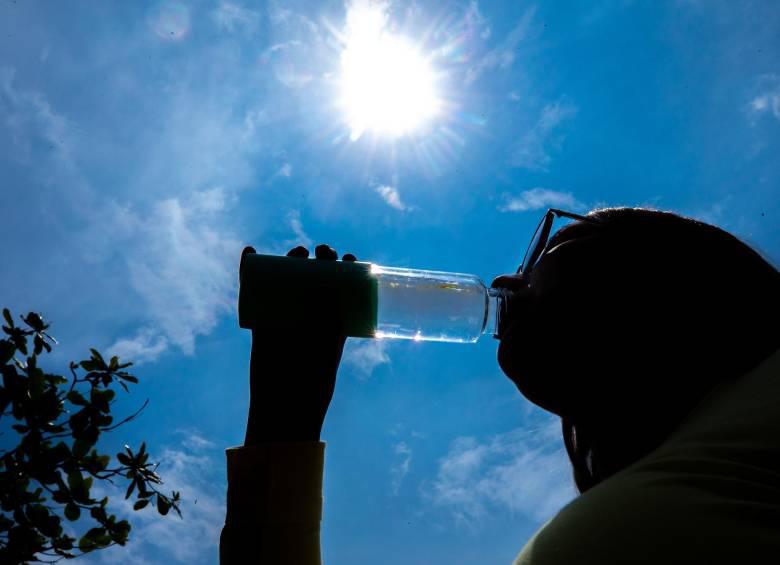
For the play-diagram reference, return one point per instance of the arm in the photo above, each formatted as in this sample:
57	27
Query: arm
274	501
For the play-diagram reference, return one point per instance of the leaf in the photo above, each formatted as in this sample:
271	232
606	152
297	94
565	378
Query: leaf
88	365
102	461
7	350
163	506
8	318
98	513
120	532
141	504
75	480
75	397
38	344
130	489
72	512
123	459
127	377
56	379
80	447
35	321
94	539
99	358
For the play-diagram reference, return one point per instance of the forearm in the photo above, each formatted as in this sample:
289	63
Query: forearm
274	504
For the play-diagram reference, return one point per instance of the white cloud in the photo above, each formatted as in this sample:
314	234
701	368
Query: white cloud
299	51
540	198
194	441
392	197
181	259
268	53
231	17
768	101
300	237
503	55
474	19
146	345
284	17
523	471
399	471
289	75
29	119
531	150
285	171
365	355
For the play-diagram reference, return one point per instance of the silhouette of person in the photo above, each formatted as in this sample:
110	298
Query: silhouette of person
652	336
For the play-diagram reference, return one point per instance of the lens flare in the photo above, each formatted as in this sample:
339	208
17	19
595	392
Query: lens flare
169	20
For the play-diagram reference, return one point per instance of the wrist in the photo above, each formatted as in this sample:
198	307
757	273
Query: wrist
260	430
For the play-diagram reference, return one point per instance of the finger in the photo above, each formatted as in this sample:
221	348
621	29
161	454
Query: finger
323	251
349	257
246	250
300	252
509	282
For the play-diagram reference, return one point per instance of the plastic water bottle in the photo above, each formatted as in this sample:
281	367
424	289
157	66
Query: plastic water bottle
279	293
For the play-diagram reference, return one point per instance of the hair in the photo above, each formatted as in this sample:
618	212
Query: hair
674	307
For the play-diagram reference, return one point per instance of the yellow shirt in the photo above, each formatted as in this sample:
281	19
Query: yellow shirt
710	494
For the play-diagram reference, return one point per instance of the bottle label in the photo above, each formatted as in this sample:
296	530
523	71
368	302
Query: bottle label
280	293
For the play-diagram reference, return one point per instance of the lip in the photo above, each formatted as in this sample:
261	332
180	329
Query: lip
516	304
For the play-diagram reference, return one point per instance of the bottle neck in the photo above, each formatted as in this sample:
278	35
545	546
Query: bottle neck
494	308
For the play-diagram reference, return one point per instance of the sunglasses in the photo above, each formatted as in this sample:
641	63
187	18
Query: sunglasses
538	246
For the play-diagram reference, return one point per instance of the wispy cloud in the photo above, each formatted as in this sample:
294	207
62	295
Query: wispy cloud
146	345
474	19
180	259
399	471
151	250
31	122
539	198
365	355
392	197
532	149
767	102
502	56
300	49
523	471
231	17
285	171
194	441
300	236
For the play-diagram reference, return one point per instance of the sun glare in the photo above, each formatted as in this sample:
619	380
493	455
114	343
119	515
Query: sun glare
387	85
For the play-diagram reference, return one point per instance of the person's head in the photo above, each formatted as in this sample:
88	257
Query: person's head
627	321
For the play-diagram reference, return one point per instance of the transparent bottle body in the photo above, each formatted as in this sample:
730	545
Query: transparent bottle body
434	305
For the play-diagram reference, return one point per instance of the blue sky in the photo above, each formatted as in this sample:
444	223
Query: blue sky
143	144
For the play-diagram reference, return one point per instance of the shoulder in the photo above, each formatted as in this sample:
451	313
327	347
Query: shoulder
649	514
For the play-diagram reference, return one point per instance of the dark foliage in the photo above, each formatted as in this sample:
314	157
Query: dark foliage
49	475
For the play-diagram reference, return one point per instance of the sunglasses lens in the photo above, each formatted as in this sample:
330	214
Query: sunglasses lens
531	255
543	236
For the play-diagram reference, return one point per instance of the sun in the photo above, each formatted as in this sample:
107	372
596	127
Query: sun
386	84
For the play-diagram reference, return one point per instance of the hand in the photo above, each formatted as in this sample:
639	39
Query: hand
292	377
